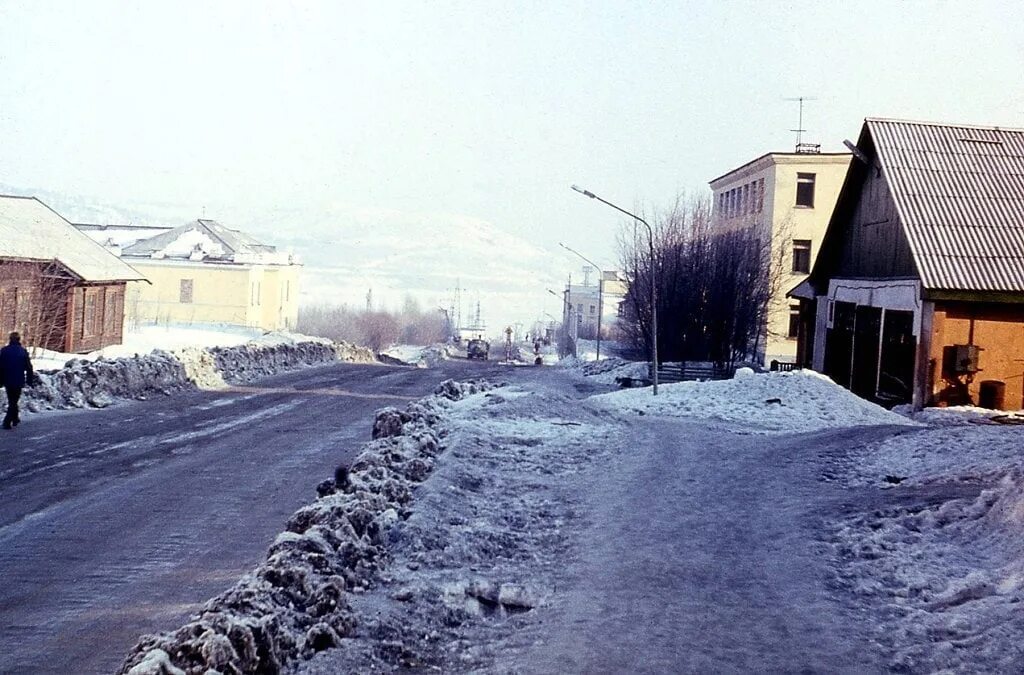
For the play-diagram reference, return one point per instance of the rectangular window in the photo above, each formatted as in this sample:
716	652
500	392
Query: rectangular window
805	189
746	199
185	291
801	256
794	321
255	293
593	309
760	195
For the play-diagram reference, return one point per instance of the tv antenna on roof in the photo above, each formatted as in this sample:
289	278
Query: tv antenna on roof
800	145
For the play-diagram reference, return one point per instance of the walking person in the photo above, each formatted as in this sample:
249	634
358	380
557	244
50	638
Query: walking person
15	372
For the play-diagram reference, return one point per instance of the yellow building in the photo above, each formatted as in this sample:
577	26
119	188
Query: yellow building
203	272
793	194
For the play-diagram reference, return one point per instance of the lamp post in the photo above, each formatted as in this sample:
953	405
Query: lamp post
600	292
654	289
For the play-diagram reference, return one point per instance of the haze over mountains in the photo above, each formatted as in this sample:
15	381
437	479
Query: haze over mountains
347	252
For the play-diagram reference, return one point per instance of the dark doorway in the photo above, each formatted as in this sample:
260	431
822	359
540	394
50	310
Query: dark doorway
867	331
839	343
896	372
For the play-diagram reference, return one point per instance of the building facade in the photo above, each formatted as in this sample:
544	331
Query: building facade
203	272
61	290
583	304
789	197
917	295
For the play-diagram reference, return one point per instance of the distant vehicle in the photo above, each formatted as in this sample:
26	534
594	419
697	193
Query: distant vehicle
478	349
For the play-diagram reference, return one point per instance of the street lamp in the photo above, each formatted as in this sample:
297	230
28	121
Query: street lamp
654	289
600	291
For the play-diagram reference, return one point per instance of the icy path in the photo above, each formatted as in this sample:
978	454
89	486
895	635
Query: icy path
637	543
701	555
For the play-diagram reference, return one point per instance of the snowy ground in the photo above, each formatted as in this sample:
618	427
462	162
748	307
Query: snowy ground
769	523
145	339
937	551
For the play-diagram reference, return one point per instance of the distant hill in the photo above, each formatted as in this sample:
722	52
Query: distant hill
396	254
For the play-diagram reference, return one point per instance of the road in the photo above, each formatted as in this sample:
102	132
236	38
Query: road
123	521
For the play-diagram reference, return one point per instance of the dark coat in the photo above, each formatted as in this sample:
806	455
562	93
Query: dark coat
15	366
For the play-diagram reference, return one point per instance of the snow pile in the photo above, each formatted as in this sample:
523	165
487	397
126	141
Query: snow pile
98	383
420	356
146	339
297	602
201	367
800	400
487	540
940	552
82	383
351	353
608	371
971	453
252	361
961	414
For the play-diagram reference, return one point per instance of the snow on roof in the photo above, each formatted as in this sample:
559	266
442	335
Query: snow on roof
796	401
119	235
208	237
31	230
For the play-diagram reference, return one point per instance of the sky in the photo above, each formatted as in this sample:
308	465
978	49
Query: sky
486	111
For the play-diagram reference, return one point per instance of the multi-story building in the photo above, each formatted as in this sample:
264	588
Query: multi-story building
793	194
584	302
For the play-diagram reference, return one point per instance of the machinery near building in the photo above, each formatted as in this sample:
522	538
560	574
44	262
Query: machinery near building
478	349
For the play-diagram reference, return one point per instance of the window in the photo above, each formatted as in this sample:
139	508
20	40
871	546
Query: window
91	318
185	291
255	293
801	256
593	309
794	321
745	199
110	313
805	189
760	195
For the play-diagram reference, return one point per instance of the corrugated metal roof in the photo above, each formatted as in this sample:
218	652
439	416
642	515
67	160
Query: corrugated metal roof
29	229
959	190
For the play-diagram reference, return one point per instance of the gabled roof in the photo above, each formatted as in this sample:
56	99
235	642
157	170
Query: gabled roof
215	241
959	192
31	230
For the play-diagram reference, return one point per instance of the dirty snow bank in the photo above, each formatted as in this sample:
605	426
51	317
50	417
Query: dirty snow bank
420	356
297	602
801	400
85	383
487	539
939	552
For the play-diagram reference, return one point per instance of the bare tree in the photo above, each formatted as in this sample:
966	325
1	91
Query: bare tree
376	329
34	301
715	285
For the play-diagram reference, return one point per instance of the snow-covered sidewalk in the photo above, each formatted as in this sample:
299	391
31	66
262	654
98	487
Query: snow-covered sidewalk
558	536
750	525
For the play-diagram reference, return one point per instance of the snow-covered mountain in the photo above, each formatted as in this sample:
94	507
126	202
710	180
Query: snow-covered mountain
349	252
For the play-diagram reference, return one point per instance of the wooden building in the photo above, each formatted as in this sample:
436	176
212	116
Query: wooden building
58	287
917	294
